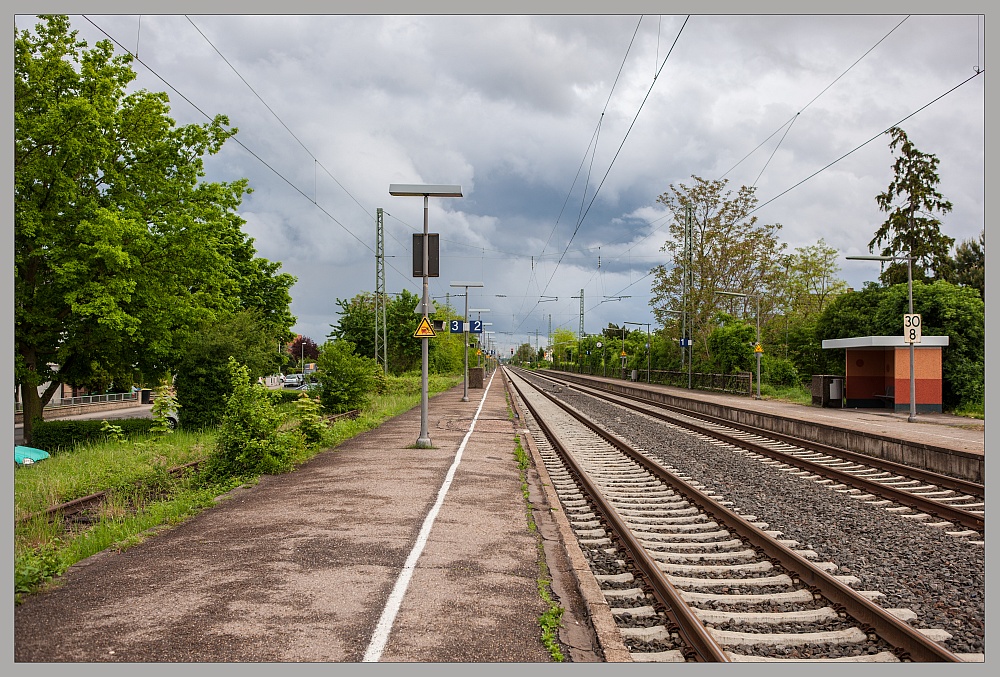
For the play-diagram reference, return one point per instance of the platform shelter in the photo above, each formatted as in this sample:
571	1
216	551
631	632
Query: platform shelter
877	373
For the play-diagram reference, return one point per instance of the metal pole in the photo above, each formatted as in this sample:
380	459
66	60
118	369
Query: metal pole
758	343
424	441
913	383
465	337
649	349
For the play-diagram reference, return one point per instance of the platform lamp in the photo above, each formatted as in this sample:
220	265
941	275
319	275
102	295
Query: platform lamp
909	286
479	316
426	191
465	333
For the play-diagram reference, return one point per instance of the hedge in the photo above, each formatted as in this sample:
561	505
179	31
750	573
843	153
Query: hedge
62	435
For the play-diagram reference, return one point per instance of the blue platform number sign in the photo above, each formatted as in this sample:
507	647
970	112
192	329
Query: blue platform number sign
477	327
456	326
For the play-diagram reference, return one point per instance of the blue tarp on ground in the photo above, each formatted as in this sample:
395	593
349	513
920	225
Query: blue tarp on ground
28	455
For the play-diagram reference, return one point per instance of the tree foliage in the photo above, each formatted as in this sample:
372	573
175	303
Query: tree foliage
911	229
302	347
119	247
945	309
249	442
731	251
970	265
203	380
345	378
356	324
731	344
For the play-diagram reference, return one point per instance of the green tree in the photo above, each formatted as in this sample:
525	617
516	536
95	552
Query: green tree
525	353
356	323
970	265
911	229
945	309
119	247
731	344
731	251
345	378
204	382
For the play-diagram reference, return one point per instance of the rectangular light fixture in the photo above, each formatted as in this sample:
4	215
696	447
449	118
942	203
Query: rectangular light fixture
428	189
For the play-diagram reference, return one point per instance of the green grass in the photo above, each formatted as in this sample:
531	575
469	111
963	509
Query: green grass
551	618
143	496
797	394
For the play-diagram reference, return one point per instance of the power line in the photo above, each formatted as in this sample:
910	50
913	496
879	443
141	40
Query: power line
859	147
241	144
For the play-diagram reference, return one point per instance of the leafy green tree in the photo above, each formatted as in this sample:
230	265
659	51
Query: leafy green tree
203	380
970	265
525	353
356	323
345	378
563	340
911	228
945	309
731	251
731	344
119	247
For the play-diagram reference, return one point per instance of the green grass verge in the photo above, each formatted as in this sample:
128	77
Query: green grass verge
143	496
551	618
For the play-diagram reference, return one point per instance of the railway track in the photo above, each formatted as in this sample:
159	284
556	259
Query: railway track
919	495
690	579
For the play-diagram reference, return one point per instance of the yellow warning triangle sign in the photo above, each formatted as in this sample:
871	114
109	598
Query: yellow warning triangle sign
424	329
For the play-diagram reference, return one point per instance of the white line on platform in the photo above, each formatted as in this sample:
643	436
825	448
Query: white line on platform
392	605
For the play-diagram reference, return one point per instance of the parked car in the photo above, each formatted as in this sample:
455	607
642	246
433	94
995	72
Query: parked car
24	456
293	380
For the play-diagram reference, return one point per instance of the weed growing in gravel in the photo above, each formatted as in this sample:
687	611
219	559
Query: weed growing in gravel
551	619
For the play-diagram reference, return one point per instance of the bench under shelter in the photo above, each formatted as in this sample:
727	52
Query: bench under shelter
877	373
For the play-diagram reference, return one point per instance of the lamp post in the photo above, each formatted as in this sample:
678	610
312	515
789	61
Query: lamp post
756	297
426	191
909	287
465	333
479	342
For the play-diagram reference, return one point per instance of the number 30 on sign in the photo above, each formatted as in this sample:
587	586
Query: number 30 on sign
911	328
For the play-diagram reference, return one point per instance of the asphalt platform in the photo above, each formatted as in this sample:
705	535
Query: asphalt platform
372	551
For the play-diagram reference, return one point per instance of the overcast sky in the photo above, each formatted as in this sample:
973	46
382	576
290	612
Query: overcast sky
512	108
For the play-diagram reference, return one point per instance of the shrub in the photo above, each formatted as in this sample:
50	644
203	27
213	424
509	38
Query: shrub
163	404
345	378
62	435
311	424
778	371
248	442
283	396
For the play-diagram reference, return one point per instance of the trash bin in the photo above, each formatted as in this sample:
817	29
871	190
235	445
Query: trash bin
145	396
828	391
836	393
635	375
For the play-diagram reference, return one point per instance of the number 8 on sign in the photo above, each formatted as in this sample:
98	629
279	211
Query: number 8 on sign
911	328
